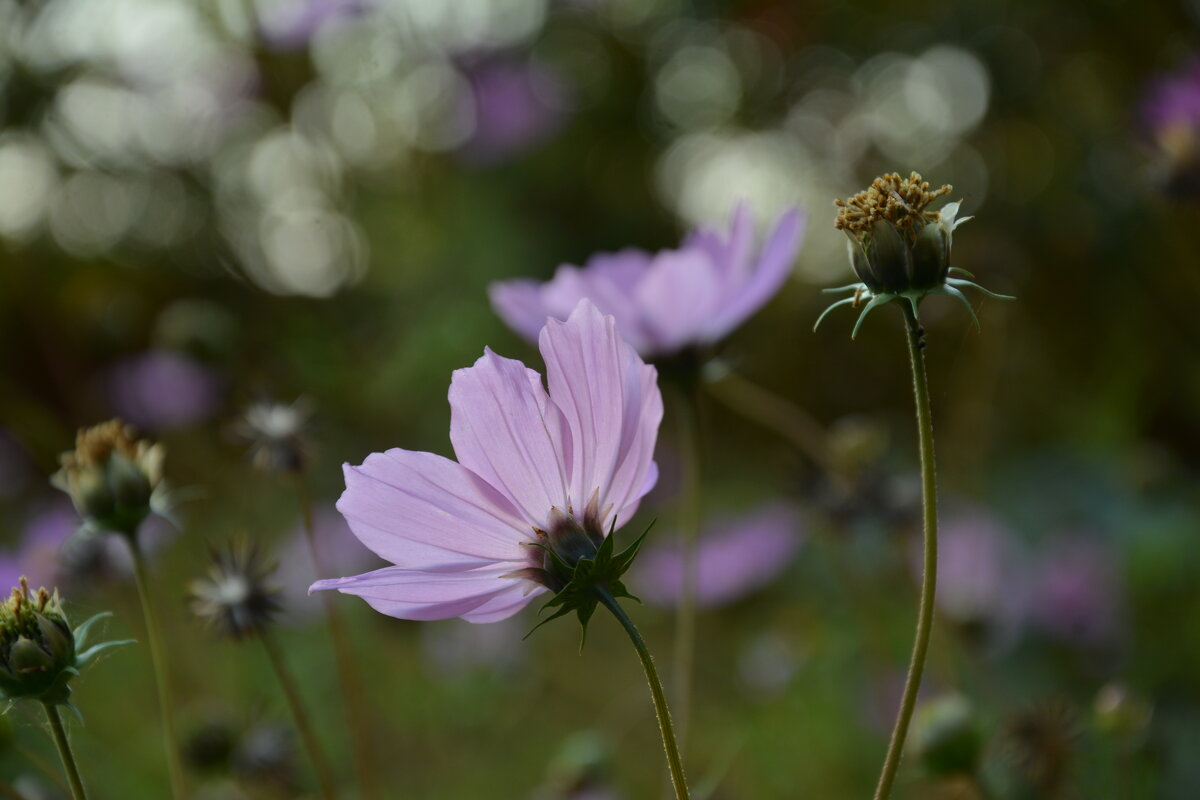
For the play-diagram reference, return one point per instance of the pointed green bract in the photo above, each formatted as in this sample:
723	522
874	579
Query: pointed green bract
584	582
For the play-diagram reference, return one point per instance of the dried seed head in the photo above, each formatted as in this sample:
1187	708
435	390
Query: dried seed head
237	597
900	201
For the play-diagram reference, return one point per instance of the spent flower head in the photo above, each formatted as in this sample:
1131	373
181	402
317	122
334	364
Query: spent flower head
900	248
237	596
39	651
113	478
276	433
541	482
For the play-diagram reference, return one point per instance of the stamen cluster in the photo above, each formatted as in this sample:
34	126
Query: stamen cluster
900	201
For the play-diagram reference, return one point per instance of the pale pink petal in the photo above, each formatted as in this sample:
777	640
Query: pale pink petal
422	510
610	281
480	595
519	304
610	401
774	266
683	288
730	255
503	431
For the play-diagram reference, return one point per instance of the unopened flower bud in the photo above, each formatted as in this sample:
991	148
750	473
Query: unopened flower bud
38	649
945	736
111	477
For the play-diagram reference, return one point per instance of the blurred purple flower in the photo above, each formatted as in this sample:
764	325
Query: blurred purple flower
1077	592
980	572
734	559
457	531
670	300
160	390
1170	119
338	550
292	24
518	106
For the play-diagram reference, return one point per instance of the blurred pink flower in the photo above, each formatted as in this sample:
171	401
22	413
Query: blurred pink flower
1077	592
457	531
338	551
160	390
734	559
670	300
982	577
518	105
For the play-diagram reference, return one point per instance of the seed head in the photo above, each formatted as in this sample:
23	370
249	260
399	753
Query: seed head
276	434
237	597
111	477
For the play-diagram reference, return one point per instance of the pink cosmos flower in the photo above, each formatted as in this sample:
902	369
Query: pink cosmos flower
670	300
528	463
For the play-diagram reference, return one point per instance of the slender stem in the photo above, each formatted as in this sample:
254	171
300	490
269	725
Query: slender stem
351	684
64	752
689	523
770	410
158	658
912	684
657	695
307	735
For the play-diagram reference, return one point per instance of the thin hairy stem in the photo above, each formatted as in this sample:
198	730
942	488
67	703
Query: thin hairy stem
657	695
64	752
308	736
351	683
689	524
158	657
912	684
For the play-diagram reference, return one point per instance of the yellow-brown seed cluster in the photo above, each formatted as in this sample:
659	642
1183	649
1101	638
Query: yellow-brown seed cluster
890	197
94	445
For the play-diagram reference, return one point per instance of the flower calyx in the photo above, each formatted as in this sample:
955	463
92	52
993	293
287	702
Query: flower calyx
580	565
39	651
899	249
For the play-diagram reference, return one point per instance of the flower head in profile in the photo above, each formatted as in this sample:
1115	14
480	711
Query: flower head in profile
113	478
899	248
669	301
542	479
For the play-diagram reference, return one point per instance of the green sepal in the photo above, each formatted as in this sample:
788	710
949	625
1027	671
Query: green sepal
96	649
875	302
590	578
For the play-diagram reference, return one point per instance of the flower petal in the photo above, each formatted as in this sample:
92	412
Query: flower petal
610	281
504	431
681	293
519	304
424	511
730	255
774	266
481	595
612	407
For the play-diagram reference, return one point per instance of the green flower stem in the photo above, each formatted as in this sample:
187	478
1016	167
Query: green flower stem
351	684
307	735
761	405
158	658
916	666
64	752
689	523
657	695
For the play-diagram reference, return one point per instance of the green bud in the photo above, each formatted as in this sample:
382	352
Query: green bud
945	737
890	258
931	256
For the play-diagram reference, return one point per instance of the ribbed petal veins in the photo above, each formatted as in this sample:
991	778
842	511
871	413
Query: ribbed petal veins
610	401
482	595
501	430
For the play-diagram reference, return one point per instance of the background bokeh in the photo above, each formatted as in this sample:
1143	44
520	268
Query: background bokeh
207	203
